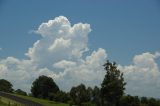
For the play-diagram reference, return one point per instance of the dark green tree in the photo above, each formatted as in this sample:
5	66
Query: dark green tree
61	96
113	85
153	102
144	100
43	86
79	94
5	86
130	101
96	99
89	91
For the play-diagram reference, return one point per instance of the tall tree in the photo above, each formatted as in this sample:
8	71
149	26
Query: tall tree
43	86
113	85
5	86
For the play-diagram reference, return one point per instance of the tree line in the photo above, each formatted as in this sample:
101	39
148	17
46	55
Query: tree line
111	92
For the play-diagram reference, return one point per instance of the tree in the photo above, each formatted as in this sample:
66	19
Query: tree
112	85
61	96
96	96
5	86
144	100
153	102
89	92
43	86
79	94
130	101
20	92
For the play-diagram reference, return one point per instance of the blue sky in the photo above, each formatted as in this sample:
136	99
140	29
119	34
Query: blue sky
123	28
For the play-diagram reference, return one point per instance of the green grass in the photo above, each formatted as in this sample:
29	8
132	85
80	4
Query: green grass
6	102
42	101
2	103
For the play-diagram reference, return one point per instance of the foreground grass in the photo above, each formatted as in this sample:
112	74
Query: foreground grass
2	104
8	102
42	101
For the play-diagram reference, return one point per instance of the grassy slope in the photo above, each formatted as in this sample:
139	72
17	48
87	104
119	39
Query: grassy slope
42	101
2	104
5	102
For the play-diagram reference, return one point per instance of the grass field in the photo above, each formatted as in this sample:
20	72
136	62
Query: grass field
6	102
42	101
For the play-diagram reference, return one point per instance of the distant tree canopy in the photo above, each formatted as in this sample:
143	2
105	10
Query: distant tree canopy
130	101
113	85
83	96
43	87
96	96
61	96
79	94
20	92
5	86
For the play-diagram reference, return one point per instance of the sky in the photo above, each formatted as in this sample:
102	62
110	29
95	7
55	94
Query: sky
70	41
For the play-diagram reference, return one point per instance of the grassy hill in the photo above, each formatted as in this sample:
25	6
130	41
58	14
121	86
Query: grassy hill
42	101
6	102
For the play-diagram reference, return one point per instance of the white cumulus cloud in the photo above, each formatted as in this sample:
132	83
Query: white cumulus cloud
60	54
143	76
